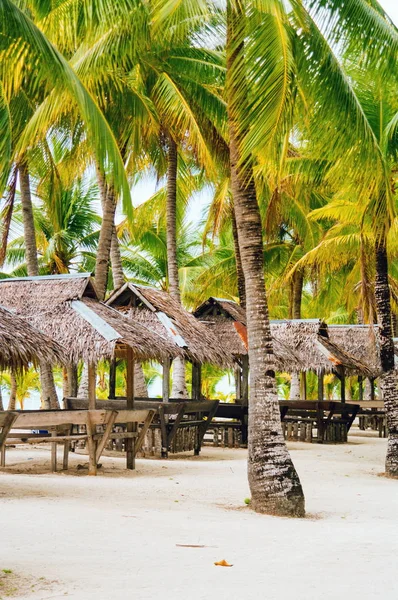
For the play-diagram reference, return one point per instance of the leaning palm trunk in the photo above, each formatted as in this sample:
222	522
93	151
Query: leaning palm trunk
116	261
295	312
274	483
49	393
140	387
104	243
388	381
13	392
179	387
82	391
239	270
1	394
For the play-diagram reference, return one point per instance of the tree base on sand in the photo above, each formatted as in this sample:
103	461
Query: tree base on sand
388	385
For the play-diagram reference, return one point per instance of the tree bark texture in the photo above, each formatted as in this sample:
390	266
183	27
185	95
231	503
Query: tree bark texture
274	483
13	392
388	381
28	221
179	386
1	394
116	261
140	387
83	385
298	282
104	244
239	270
294	387
49	393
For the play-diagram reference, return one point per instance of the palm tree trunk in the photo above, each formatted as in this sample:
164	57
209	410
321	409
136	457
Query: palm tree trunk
1	393
104	243
13	392
388	381
82	391
179	387
28	221
49	393
274	483
295	313
298	282
140	388
239	270
116	261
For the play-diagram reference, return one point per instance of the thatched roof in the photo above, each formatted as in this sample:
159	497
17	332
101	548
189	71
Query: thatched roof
362	341
227	321
21	344
299	345
164	315
66	308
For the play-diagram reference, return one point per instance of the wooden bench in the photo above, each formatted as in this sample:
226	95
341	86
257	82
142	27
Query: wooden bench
181	425
59	425
372	415
300	419
332	420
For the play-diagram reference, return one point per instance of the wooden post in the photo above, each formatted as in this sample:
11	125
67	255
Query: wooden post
303	385
342	384
131	427
372	388
92	380
166	380
245	380
72	380
320	385
112	379
360	384
196	381
238	384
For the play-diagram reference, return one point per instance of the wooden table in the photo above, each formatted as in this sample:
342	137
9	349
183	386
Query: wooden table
58	427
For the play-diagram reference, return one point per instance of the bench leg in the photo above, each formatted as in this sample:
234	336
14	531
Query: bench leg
54	454
65	461
3	456
91	446
7	425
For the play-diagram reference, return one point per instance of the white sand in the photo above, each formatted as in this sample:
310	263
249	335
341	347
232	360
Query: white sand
116	536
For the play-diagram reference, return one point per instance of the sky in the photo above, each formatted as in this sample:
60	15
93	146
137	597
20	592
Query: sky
391	8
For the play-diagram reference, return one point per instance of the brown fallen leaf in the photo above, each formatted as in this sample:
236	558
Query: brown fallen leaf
222	563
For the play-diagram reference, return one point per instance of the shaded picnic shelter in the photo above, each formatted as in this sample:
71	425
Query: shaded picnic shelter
161	313
300	346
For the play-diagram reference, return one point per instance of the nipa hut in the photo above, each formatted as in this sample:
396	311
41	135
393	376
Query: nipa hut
163	315
67	309
299	345
22	344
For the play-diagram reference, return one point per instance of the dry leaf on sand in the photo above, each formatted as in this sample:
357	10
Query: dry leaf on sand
222	563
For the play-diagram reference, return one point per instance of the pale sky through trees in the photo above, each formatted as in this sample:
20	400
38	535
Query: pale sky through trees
391	7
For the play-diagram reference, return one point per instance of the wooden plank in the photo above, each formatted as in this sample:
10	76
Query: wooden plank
178	419
91	445
53	452
37	439
106	434
8	420
42	419
131	427
163	430
144	430
92	380
203	427
166	380
112	378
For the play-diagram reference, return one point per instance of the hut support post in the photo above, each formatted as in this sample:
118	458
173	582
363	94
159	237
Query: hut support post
372	388
342	384
238	384
166	380
320	385
131	427
245	380
303	385
360	386
112	379
92	377
196	381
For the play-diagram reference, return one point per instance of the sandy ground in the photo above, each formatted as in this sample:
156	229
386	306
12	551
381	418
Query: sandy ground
122	534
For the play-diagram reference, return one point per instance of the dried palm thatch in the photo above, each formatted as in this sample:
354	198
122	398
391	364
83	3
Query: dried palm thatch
227	320
162	314
22	344
362	341
66	308
299	345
